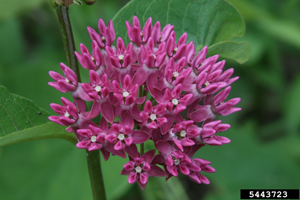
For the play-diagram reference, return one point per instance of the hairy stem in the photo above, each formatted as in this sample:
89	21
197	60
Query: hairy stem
93	157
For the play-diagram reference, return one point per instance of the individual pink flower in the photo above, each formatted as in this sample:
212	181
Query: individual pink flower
176	73
210	129
68	113
182	134
134	32
122	135
174	101
129	92
175	160
176	50
64	84
94	138
140	168
106	35
152	117
198	165
92	62
98	88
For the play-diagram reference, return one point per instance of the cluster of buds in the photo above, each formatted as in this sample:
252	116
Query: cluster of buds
154	89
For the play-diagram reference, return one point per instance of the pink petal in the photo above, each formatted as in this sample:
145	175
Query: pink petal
156	171
201	114
107	111
164	147
126	119
132	178
95	146
149	155
144	178
132	151
129	166
128	141
119	146
140	136
172	170
184	169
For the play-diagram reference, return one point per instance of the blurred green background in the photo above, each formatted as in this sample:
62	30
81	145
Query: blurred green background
265	147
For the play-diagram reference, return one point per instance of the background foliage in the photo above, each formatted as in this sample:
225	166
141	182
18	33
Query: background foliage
265	148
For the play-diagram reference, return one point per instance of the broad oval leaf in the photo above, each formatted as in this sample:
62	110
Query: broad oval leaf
22	120
206	22
238	51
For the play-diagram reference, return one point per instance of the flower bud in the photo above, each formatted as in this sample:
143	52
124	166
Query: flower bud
89	2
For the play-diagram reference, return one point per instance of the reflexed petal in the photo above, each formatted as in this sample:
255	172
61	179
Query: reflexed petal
140	136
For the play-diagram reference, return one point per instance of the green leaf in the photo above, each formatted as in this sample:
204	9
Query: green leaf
49	130
231	50
21	120
206	23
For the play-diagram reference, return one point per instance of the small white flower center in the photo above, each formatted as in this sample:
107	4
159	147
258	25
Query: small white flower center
121	136
103	38
138	169
120	57
176	161
98	88
207	83
67	80
183	133
125	94
175	74
175	101
153	117
176	48
154	56
93	138
67	114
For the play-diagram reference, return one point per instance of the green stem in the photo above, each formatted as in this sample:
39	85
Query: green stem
93	157
142	148
94	165
67	34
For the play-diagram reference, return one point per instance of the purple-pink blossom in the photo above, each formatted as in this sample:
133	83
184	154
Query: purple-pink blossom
156	88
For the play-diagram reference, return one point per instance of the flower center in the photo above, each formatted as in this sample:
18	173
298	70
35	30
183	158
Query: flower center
67	114
153	117
138	169
103	39
125	94
120	57
176	161
175	74
98	88
183	133
93	138
206	83
67	80
175	101
121	136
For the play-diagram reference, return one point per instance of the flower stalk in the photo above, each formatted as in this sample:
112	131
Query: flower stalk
93	157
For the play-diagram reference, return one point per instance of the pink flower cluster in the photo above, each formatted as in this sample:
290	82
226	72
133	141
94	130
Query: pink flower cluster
154	89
